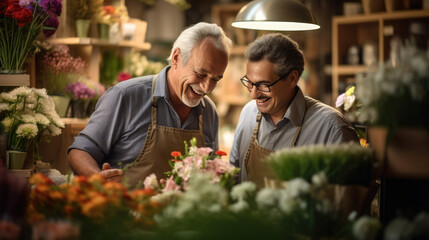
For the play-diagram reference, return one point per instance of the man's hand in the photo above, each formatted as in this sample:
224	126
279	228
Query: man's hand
111	174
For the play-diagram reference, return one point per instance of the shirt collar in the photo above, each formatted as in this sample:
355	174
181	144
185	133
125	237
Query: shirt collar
296	110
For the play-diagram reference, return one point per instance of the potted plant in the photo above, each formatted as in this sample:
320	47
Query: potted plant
27	114
81	94
59	68
394	96
83	12
21	22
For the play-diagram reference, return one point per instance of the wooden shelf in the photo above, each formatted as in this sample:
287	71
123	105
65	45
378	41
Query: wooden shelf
99	42
377	29
397	15
351	69
14	80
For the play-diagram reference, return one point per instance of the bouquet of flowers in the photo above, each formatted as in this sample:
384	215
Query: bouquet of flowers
79	90
26	114
21	23
183	4
298	210
138	65
109	15
195	160
394	95
350	106
60	68
100	207
86	9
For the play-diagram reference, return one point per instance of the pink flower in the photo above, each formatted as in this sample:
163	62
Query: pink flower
170	185
51	6
123	76
151	182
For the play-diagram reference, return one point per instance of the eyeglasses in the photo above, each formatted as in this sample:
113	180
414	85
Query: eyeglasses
263	87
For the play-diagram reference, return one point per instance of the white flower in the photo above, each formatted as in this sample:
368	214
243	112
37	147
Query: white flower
54	130
297	186
151	182
22	91
7	123
352	216
366	228
239	206
267	198
319	179
4	106
286	203
26	118
348	102
243	190
57	120
40	92
42	119
27	130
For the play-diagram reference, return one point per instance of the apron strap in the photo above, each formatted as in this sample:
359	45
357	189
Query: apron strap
154	102
308	103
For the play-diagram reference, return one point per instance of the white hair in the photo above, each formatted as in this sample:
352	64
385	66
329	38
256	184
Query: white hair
195	34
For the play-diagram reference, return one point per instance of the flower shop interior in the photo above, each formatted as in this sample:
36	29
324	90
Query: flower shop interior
369	59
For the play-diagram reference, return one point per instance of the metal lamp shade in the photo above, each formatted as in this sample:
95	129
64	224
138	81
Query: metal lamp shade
275	15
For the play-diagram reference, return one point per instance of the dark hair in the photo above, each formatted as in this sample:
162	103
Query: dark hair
279	49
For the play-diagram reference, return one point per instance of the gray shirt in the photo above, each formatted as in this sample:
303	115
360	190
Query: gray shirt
116	131
321	124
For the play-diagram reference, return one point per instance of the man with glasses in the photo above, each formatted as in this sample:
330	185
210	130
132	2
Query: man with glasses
139	122
280	116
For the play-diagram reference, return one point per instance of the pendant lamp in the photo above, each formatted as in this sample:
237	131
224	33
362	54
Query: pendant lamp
275	15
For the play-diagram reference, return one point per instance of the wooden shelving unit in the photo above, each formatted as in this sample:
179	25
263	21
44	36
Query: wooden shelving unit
361	29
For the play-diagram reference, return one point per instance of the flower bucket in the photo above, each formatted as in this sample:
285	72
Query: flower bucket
103	31
79	108
61	104
15	159
407	154
82	27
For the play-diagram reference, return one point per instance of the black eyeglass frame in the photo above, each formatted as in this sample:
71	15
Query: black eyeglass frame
245	80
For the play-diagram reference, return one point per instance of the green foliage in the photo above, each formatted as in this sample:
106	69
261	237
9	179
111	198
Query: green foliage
343	164
110	67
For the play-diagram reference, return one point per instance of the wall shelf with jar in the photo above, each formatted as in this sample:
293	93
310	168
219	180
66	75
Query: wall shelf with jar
361	41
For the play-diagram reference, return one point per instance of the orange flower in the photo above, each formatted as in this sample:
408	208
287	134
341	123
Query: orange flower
109	10
363	142
175	154
220	153
39	178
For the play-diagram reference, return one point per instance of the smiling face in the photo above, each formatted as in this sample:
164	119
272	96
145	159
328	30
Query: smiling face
275	102
188	84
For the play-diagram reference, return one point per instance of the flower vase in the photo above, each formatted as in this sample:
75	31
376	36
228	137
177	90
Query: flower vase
61	104
407	154
15	159
79	108
103	31
82	27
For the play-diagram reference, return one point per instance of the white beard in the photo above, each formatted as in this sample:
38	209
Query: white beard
192	102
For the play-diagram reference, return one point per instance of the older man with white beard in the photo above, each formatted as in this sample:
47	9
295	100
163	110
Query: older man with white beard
141	121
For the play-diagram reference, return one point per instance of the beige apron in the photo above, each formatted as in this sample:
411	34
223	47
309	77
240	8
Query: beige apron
257	171
160	142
